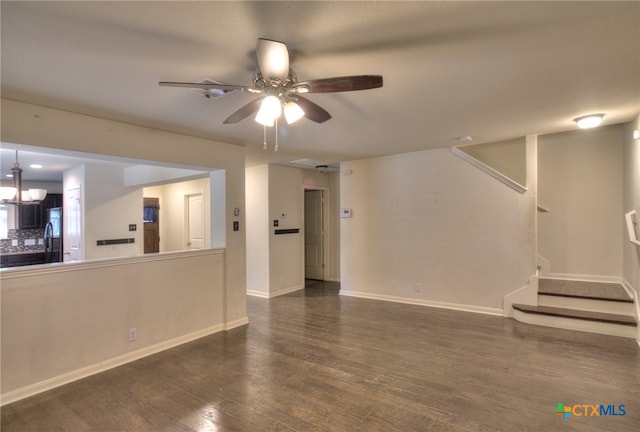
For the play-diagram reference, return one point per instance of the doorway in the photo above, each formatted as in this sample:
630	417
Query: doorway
195	221
151	220
315	221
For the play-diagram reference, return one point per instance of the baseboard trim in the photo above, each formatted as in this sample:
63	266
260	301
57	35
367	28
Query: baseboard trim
283	291
286	291
583	277
428	303
236	323
66	378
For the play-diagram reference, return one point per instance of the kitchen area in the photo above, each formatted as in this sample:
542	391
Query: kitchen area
33	234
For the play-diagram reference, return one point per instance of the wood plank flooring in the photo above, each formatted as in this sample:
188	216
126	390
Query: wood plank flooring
314	361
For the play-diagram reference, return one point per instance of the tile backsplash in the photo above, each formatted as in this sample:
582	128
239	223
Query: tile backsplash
23	240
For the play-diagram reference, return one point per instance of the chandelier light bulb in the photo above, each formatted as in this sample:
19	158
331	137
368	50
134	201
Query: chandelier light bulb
293	112
269	111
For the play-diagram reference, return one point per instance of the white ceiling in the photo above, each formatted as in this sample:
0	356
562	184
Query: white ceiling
491	70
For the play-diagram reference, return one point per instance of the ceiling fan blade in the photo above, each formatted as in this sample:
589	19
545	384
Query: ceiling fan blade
205	86
244	112
312	111
273	59
338	84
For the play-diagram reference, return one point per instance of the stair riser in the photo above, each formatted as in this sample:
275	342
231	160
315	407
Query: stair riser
587	304
576	324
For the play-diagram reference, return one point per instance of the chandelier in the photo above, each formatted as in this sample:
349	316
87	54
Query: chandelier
15	195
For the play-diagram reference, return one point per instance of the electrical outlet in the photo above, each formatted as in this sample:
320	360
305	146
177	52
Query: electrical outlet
133	334
418	287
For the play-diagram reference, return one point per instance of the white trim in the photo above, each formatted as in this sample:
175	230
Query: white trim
236	323
286	291
636	302
527	294
487	169
429	303
583	277
575	324
631	220
105	365
45	269
269	295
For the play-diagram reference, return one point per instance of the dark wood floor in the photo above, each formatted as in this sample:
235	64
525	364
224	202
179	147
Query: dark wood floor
314	361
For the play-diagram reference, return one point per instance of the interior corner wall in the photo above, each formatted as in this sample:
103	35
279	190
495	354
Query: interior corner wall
286	251
109	208
631	252
429	228
258	227
580	182
334	211
507	157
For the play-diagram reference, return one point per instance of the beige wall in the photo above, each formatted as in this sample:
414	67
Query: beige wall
145	284
580	182
430	218
507	157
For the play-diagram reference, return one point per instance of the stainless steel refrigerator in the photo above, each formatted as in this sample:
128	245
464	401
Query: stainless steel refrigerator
53	236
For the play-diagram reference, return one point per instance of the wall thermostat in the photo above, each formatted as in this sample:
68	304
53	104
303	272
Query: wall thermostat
345	213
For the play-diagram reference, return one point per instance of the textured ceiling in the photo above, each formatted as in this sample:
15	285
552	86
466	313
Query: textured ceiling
492	70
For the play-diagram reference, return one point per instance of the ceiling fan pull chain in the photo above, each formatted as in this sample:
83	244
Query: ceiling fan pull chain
275	149
264	137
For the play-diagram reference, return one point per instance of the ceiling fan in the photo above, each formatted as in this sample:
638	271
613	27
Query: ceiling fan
280	89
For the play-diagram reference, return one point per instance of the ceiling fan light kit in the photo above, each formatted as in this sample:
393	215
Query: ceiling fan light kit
280	89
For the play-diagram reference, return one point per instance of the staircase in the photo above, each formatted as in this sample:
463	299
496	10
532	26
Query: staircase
596	307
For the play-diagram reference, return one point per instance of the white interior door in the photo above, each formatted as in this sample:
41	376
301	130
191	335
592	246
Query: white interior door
195	222
313	235
73	211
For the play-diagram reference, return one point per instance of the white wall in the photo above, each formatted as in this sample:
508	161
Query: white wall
66	322
29	124
631	201
334	185
286	252
258	228
431	218
109	208
580	182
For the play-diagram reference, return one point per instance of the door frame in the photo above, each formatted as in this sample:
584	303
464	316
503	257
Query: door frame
326	238
187	224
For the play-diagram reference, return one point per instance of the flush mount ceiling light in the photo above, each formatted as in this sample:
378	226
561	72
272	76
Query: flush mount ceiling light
589	121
